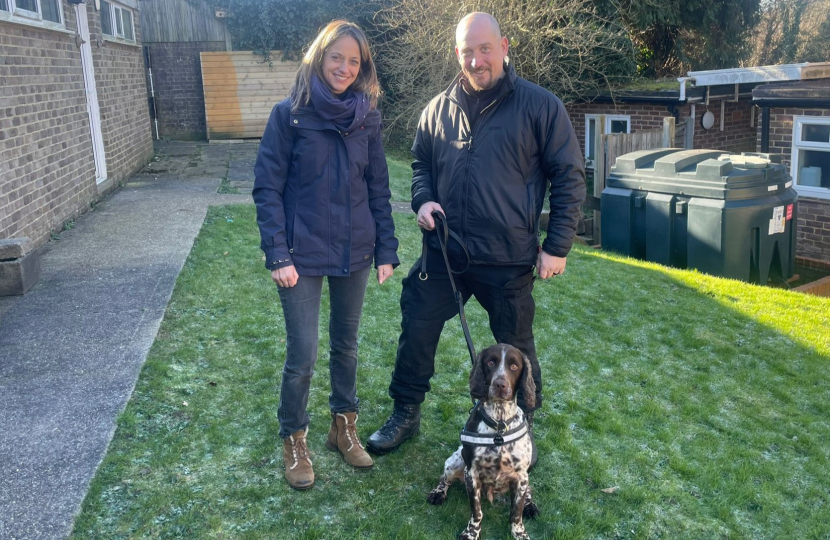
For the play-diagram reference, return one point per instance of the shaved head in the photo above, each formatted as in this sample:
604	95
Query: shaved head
481	50
478	19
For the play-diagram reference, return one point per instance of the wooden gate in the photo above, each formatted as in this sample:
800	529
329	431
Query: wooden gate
241	88
609	147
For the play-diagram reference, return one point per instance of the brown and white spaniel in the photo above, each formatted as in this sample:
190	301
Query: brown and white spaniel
494	456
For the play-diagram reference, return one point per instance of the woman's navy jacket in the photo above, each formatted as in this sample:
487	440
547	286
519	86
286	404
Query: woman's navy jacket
322	196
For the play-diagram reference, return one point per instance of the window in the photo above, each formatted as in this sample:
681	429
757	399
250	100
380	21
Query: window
614	123
117	21
42	11
811	155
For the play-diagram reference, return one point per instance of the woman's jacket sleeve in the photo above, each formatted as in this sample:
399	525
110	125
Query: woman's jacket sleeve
271	171
377	180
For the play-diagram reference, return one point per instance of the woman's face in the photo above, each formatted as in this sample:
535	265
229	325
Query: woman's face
341	64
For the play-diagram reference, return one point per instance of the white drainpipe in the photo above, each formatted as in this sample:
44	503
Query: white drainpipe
682	81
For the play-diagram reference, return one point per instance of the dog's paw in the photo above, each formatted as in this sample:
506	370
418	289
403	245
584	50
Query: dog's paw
437	496
468	534
530	510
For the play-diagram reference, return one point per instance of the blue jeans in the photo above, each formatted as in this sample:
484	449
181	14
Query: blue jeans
301	308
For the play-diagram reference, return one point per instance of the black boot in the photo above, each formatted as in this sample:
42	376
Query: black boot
402	425
533	456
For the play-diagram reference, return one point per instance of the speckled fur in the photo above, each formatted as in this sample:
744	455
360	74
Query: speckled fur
489	470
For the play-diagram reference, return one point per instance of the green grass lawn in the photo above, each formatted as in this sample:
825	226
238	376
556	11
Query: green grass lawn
400	176
705	401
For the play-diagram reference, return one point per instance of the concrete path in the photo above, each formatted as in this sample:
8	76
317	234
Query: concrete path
71	349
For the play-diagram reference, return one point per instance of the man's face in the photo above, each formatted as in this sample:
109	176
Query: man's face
481	54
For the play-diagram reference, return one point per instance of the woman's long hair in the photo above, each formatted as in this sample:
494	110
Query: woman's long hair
367	78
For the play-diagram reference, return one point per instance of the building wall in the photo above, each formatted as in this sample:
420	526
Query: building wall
122	98
177	83
643	116
737	135
813	235
47	172
47	169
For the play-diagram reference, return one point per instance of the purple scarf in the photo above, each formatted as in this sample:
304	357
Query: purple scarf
347	113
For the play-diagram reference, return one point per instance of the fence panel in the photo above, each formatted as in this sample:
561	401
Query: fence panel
240	91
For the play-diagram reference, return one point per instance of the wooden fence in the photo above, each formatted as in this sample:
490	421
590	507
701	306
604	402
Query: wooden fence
610	146
240	91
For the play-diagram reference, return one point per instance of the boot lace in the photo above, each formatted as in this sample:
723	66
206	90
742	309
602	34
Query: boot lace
299	450
351	434
398	417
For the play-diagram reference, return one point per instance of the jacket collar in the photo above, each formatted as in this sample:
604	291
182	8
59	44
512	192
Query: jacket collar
454	89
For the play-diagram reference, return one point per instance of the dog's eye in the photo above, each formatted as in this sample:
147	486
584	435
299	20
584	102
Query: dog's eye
513	367
491	363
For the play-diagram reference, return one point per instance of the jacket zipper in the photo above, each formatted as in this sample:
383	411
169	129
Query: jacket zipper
473	132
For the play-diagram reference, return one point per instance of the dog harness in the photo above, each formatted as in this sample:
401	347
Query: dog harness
500	437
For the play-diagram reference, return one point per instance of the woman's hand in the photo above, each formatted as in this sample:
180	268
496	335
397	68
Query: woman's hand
286	276
384	272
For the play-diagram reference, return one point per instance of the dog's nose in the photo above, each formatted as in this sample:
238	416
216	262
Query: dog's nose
501	386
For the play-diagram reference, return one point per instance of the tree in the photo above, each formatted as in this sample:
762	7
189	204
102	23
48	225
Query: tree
677	35
791	31
285	25
567	46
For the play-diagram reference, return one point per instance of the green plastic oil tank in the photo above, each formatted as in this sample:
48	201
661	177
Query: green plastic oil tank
727	215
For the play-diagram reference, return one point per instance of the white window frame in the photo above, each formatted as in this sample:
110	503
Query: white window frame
608	119
17	14
116	20
798	144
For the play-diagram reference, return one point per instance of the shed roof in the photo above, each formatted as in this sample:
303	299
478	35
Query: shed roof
761	74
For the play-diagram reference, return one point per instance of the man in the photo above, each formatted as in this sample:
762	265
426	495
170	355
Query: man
484	153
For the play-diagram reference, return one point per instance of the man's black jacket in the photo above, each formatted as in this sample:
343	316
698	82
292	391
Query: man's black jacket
491	180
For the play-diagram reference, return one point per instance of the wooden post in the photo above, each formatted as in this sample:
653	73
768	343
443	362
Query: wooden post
599	173
668	132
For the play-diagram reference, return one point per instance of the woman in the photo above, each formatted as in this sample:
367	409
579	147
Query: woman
322	197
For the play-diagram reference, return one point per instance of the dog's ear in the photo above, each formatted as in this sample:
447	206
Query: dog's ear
527	385
478	384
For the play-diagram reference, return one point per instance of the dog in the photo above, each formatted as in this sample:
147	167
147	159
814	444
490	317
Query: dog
494	456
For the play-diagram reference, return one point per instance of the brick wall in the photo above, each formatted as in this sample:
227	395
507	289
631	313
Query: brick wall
47	170
122	98
177	81
737	135
813	235
643	116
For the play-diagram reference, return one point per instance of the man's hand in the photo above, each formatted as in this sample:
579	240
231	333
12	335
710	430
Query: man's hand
425	220
384	272
286	276
548	265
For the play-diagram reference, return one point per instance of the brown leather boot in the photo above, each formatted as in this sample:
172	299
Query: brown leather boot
343	438
297	461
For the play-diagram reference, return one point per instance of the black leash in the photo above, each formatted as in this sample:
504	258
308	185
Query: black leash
444	235
468	438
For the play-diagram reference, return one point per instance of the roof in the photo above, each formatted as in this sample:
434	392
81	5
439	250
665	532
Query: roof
733	84
761	74
809	93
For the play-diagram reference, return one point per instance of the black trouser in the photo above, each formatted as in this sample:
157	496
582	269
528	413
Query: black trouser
503	291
